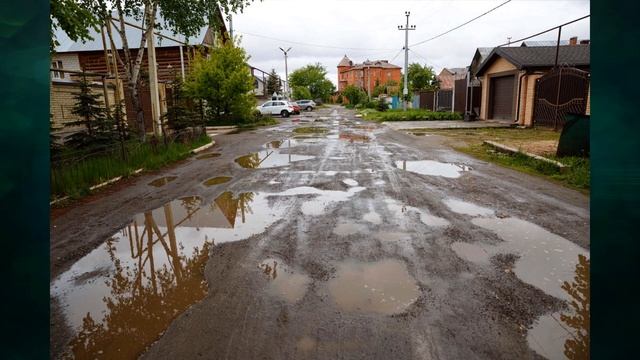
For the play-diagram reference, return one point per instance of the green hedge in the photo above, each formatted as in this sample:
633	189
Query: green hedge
412	115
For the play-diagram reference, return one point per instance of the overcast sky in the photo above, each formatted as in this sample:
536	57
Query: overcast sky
368	29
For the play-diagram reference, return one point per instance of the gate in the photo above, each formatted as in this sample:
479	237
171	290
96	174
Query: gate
561	91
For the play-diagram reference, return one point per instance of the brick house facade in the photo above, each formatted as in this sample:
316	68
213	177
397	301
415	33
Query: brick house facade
367	74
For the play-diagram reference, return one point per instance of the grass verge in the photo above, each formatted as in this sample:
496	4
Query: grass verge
74	179
263	121
409	115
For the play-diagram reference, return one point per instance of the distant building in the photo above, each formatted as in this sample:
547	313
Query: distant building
367	74
448	76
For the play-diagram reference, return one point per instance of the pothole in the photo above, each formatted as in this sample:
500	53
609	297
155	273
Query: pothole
283	281
162	181
383	287
433	168
216	180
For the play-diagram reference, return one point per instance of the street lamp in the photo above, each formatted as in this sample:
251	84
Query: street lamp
286	70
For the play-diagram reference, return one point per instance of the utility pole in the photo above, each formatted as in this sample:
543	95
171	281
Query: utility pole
369	81
406	29
231	28
286	71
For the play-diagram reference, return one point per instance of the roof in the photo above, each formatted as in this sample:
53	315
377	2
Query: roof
540	56
446	82
544	43
376	63
133	37
345	61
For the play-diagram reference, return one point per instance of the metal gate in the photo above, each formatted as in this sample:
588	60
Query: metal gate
562	90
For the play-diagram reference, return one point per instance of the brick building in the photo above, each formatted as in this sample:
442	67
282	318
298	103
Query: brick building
367	74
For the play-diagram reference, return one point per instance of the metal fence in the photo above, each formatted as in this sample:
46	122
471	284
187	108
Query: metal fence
561	91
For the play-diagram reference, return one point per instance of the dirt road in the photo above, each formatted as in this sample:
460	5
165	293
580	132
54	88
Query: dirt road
356	242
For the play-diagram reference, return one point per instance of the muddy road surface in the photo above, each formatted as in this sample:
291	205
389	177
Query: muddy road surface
349	240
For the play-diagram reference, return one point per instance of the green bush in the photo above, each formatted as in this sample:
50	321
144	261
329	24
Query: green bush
412	115
382	105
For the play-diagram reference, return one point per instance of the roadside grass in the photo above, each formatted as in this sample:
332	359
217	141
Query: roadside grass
74	179
310	130
409	115
470	141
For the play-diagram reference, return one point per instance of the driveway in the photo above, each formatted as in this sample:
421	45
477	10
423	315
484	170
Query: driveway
356	242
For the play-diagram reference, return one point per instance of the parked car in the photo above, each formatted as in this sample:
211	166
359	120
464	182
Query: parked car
283	108
296	108
308	105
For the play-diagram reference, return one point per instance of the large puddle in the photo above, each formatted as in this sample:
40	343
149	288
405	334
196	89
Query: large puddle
563	335
467	208
400	211
162	181
123	294
432	168
284	282
383	287
269	158
545	261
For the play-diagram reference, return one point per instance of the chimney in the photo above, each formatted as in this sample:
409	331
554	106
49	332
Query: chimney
585	42
573	41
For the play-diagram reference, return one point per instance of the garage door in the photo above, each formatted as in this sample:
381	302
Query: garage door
502	97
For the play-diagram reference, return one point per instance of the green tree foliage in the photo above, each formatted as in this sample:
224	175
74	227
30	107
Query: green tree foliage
97	127
74	18
421	77
301	92
314	78
273	83
225	82
354	94
181	112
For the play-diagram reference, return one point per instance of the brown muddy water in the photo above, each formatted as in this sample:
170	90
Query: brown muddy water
381	287
433	168
121	297
162	181
217	180
284	282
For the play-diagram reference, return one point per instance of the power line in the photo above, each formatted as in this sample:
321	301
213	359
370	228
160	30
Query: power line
399	52
309	44
428	62
461	25
542	32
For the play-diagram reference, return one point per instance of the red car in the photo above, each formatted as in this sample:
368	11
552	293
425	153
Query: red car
296	108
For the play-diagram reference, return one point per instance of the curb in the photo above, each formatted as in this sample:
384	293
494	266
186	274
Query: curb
111	181
508	149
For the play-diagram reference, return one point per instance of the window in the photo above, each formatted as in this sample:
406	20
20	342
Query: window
268	103
57	65
388	74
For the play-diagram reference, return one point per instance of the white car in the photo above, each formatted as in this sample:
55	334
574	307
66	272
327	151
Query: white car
278	107
306	104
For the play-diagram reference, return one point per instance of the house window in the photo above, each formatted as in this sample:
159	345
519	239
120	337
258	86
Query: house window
57	65
388	74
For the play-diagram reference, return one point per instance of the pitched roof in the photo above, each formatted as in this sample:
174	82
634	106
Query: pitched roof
133	37
544	43
540	56
376	63
345	61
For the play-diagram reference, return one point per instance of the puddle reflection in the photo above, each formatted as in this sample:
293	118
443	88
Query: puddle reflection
162	181
269	159
216	180
432	168
123	294
566	335
283	281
